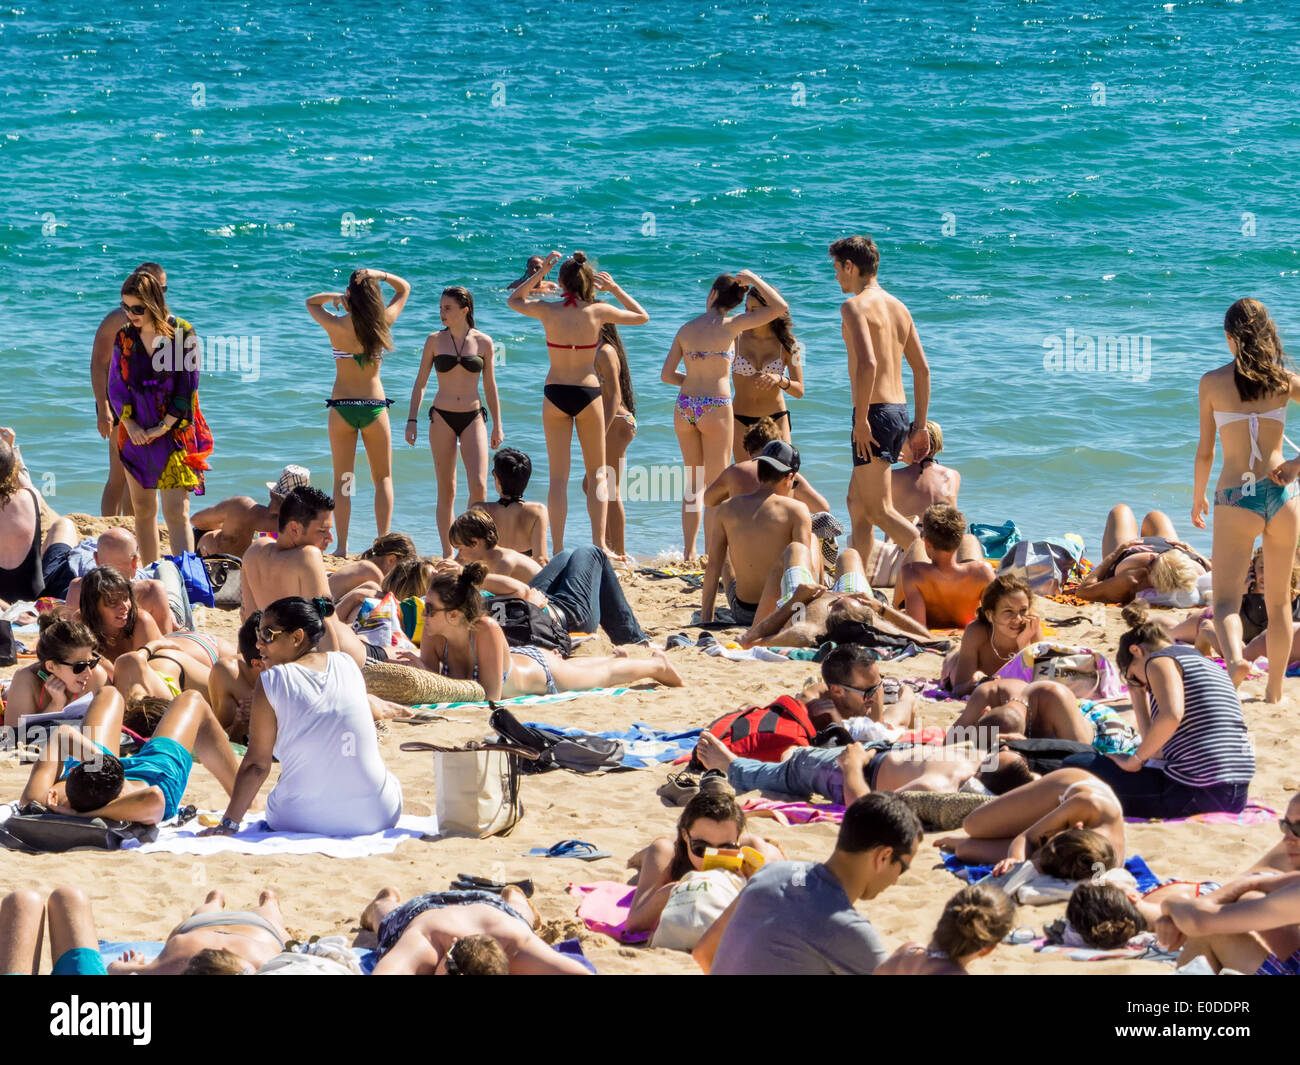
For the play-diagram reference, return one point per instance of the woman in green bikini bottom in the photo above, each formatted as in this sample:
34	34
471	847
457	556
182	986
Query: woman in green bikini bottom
1246	401
359	337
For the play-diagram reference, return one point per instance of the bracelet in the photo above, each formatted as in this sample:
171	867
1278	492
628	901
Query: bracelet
412	419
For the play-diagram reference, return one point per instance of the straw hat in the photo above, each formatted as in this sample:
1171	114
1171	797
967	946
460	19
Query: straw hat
412	686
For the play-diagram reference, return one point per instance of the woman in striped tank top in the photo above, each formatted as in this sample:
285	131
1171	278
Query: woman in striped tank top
1195	754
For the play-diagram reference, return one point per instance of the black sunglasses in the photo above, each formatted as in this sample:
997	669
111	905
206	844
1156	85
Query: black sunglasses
866	693
1292	827
79	668
699	846
138	308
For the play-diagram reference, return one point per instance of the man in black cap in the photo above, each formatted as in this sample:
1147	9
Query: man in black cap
753	531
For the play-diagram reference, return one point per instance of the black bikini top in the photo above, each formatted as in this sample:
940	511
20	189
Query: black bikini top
446	363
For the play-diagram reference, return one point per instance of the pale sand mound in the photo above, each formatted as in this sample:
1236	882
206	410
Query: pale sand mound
142	897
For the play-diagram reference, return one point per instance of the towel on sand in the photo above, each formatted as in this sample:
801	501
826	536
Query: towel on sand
794	813
643	746
518	700
255	837
1252	814
1141	872
605	907
1141	947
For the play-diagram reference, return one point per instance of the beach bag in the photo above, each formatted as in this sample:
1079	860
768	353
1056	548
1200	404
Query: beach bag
379	623
765	733
695	903
477	788
549	750
8	645
1045	566
225	575
37	829
1254	615
525	624
996	540
198	588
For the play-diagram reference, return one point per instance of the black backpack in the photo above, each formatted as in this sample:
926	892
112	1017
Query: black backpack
524	624
580	754
35	829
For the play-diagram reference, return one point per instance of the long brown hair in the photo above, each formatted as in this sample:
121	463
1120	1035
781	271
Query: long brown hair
369	316
463	299
577	276
104	584
149	291
1260	366
783	327
997	590
609	335
459	591
707	805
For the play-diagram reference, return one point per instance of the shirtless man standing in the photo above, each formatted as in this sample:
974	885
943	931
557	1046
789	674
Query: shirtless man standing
228	527
878	335
294	564
753	531
115	499
943	593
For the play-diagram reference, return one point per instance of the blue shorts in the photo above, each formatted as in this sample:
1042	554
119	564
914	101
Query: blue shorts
162	763
1264	497
79	961
392	926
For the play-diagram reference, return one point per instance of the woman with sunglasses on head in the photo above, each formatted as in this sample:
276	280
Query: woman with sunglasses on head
162	435
312	712
67	671
461	640
1195	755
712	819
572	390
358	339
459	354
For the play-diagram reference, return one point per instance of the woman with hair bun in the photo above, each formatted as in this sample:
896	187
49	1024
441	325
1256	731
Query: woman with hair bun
973	923
461	640
703	421
572	389
460	354
358	339
1245	401
312	713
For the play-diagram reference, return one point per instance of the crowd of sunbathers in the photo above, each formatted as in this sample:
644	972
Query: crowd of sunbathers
1047	765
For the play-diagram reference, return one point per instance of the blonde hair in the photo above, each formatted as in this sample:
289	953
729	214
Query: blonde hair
936	438
1173	572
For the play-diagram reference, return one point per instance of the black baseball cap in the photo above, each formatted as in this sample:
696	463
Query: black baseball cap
780	456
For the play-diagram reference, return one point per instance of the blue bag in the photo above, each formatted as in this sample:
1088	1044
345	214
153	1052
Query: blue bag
195	575
996	540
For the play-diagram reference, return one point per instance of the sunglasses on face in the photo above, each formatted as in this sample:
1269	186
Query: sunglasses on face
269	635
866	693
904	862
79	668
699	846
1289	827
132	308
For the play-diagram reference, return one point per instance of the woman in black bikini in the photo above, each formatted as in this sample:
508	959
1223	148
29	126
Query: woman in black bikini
572	387
359	337
768	363
459	354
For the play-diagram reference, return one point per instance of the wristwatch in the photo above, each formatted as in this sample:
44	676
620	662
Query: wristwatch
229	824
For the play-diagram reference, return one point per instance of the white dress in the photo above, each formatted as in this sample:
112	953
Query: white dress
333	781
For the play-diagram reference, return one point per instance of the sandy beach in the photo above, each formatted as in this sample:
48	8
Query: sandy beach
141	897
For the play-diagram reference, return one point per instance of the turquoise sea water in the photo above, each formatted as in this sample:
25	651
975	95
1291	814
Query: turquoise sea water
1031	171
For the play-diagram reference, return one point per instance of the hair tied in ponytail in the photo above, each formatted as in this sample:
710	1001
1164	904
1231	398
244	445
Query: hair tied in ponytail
324	606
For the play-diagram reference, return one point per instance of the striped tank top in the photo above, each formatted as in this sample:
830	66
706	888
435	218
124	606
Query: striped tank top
1211	745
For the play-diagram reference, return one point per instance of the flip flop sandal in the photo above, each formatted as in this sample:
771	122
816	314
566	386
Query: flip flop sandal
569	848
466	882
678	640
715	782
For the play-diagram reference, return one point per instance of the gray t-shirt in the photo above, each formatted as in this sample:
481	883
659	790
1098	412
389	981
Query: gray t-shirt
794	918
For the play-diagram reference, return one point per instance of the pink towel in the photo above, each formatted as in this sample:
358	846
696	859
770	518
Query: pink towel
1253	814
605	907
795	813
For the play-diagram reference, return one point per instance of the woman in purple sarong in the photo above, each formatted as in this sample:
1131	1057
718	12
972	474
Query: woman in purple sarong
161	433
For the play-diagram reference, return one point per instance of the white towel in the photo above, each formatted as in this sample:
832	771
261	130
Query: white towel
254	837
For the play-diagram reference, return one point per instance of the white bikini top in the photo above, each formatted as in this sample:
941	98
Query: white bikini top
742	367
1277	414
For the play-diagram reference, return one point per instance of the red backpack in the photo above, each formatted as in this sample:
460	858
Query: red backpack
766	732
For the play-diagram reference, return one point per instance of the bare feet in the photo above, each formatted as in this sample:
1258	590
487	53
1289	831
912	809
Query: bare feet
949	843
370	915
664	672
268	896
712	754
216	896
1238	671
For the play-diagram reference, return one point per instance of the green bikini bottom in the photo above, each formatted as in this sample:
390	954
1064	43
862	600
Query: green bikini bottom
359	413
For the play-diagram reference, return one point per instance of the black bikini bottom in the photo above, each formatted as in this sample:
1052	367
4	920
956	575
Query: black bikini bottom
571	399
458	420
747	421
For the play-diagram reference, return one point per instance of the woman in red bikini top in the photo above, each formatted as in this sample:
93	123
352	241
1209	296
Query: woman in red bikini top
572	387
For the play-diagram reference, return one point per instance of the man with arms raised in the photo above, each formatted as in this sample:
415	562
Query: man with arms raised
878	335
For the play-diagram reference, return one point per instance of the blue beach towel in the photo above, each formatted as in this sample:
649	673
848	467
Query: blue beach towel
1146	879
570	948
643	746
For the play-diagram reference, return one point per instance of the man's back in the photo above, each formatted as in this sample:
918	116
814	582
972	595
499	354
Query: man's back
919	486
794	918
229	527
759	527
951	595
272	571
889	325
